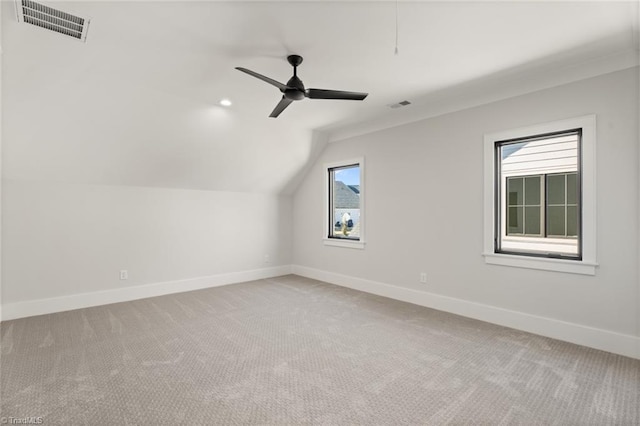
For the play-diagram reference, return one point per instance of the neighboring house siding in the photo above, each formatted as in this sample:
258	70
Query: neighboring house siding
541	157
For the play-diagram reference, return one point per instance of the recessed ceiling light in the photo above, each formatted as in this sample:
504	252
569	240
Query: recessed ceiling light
225	102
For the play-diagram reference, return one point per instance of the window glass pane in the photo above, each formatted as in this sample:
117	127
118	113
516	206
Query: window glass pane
572	188
537	178
555	189
345	202
572	221
532	191
515	191
532	220
555	221
515	222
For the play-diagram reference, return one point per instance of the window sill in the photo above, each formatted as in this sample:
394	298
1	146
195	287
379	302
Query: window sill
541	263
336	242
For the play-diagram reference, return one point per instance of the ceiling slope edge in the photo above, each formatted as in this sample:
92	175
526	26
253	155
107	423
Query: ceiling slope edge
319	141
487	90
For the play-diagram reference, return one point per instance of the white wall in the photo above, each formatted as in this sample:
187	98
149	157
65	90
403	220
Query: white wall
434	170
64	240
1	55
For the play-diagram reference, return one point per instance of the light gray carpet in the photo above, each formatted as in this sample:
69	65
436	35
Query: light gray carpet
291	350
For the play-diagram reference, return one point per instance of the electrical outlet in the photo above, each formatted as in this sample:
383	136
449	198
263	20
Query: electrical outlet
267	259
423	277
124	274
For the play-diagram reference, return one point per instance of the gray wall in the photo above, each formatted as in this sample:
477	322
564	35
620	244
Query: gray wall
438	163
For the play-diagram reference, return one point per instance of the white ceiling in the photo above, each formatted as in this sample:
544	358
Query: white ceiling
137	103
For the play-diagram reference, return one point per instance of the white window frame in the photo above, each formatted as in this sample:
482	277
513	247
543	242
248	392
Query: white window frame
338	242
588	264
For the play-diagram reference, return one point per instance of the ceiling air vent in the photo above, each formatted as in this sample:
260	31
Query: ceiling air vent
400	104
52	19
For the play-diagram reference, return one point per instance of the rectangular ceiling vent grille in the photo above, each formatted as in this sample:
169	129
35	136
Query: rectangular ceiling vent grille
52	19
400	104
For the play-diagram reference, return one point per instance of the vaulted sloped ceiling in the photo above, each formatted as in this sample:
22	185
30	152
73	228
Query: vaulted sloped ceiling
137	104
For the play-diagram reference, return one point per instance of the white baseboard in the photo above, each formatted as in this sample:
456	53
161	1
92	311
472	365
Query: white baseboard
84	300
622	344
605	340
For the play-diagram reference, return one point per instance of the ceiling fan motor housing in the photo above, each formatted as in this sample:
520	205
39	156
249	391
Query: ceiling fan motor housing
294	94
295	89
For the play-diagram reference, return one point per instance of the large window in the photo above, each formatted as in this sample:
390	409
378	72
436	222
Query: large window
537	201
345	199
540	196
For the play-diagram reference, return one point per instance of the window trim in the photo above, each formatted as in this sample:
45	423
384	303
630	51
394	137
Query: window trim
588	264
344	242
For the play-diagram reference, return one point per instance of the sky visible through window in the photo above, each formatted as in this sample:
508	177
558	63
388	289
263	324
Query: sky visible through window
350	176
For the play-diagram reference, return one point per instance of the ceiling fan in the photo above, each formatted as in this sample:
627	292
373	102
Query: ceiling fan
294	89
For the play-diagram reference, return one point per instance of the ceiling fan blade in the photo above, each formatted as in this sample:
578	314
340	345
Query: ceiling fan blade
334	94
263	78
284	102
